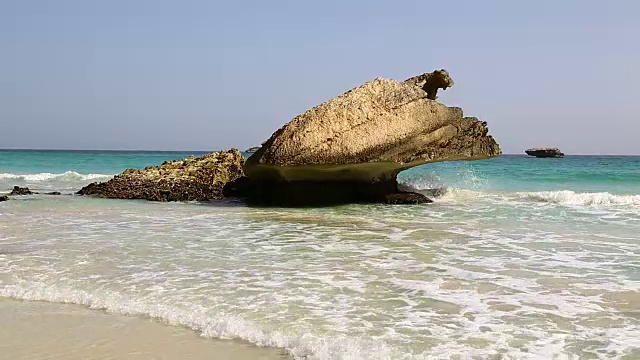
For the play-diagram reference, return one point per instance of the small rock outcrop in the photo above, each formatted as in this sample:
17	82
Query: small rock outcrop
20	191
351	148
251	150
3	198
54	193
190	179
545	152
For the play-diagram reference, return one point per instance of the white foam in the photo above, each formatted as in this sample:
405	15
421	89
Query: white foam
568	197
559	197
222	326
403	283
66	176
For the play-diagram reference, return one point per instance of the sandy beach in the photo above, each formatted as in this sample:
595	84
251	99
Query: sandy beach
41	330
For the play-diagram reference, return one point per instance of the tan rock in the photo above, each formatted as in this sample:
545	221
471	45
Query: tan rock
371	132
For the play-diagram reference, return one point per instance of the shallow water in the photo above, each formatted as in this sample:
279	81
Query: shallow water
37	330
518	259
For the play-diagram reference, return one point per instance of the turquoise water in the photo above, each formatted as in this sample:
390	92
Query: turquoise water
520	258
85	162
613	174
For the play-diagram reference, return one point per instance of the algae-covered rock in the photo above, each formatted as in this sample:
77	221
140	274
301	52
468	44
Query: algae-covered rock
17	190
193	178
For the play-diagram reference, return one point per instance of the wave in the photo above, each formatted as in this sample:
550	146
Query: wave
560	197
66	176
221	326
569	197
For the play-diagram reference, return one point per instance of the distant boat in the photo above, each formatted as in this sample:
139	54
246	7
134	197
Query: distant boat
545	152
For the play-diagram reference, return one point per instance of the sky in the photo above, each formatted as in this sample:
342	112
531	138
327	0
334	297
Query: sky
210	75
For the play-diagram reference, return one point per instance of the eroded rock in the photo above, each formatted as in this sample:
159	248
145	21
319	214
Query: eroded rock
431	82
361	140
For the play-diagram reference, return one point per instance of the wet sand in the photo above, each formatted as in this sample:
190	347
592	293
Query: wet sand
41	330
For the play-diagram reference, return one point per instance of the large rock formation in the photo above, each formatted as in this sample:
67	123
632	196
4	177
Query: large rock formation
544	152
193	178
350	148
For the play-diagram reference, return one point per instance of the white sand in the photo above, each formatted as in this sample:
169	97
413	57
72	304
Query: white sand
40	330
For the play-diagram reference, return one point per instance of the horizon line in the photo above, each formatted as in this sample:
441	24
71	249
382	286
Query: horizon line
208	151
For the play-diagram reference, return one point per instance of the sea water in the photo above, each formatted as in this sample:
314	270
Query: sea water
519	258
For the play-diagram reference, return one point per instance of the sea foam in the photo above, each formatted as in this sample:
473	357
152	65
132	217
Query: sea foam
66	176
221	326
559	197
568	197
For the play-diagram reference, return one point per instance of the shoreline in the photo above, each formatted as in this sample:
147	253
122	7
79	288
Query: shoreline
38	330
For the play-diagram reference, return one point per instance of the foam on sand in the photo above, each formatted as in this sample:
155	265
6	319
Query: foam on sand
40	330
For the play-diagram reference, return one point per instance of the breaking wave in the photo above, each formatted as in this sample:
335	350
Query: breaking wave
66	176
559	197
568	197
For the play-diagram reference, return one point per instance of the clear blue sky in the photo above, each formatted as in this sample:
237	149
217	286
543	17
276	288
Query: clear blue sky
154	74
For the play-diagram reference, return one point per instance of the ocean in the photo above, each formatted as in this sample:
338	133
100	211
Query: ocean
519	258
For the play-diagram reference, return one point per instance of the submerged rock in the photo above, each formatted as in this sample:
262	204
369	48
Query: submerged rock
545	152
193	178
351	148
407	198
54	193
4	198
20	191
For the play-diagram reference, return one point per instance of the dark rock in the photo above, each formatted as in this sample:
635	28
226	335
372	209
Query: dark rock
193	178
407	198
252	149
20	191
319	193
4	198
545	152
434	193
308	193
430	193
54	193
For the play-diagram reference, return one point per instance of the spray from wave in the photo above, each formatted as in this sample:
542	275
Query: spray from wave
434	188
428	184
